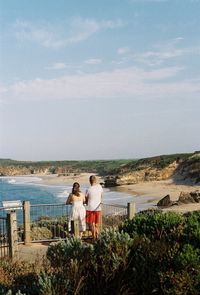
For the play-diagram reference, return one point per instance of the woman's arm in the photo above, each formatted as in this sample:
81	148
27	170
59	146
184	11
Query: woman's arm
69	199
84	199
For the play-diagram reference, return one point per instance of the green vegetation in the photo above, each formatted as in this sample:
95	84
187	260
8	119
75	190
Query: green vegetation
159	162
102	167
154	253
189	166
49	228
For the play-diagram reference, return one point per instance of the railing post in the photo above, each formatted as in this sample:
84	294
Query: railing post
27	226
12	233
131	210
75	228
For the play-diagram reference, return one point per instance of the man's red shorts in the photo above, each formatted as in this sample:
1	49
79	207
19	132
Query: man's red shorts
93	216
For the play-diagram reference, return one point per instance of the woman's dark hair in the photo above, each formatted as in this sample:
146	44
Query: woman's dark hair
76	189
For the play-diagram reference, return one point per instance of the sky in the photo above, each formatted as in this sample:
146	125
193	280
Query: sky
97	79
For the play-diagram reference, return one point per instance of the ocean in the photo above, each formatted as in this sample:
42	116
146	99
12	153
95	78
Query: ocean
33	189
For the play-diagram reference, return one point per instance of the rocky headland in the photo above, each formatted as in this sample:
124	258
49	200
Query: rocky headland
181	167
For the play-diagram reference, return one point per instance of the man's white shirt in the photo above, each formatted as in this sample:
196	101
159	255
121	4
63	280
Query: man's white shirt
94	195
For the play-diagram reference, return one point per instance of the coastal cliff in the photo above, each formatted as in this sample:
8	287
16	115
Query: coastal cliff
184	167
179	167
10	167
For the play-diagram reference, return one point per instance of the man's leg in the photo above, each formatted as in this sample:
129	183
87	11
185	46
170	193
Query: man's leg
90	221
93	230
97	223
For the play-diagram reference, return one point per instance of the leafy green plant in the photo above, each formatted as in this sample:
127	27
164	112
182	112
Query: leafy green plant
153	253
110	263
62	253
184	278
192	228
155	225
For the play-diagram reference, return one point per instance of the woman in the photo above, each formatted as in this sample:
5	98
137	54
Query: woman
78	212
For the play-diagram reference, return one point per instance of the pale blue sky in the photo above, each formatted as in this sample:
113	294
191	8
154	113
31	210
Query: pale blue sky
99	79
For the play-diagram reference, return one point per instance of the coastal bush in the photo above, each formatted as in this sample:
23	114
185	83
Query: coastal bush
153	253
47	228
20	276
192	228
62	253
155	225
113	220
147	259
40	233
110	263
184	277
71	260
9	292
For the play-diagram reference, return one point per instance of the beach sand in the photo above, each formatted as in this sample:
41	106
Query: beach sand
82	178
156	190
150	191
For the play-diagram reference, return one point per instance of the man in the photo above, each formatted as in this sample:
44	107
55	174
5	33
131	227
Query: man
93	212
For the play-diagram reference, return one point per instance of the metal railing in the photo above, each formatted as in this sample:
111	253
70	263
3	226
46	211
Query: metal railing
4	245
47	222
113	215
8	232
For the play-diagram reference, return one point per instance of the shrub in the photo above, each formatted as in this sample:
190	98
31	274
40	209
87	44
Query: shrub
155	225
184	277
148	259
192	228
71	260
110	263
62	253
40	233
152	253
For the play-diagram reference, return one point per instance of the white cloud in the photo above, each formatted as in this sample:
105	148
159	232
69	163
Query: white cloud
165	51
123	50
3	89
93	61
57	35
120	83
57	66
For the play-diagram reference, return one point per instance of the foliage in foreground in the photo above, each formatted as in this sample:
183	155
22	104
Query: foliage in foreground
153	253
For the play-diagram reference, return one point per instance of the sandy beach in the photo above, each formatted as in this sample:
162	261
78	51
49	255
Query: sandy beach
150	191
82	178
156	190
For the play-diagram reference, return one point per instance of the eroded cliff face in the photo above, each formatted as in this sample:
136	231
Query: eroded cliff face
182	167
146	173
19	170
190	169
15	170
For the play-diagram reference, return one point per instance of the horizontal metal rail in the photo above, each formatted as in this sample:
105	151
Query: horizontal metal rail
50	222
115	205
48	205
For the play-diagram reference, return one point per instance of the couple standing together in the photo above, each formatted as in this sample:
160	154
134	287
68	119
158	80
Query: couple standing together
92	199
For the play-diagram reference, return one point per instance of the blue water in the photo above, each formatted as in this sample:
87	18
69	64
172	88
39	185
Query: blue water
34	190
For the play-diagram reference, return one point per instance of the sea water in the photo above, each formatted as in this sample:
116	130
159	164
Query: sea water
33	189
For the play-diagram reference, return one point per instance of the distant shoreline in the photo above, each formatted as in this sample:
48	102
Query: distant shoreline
156	190
149	191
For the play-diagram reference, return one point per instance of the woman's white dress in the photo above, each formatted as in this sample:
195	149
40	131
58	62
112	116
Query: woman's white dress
78	212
